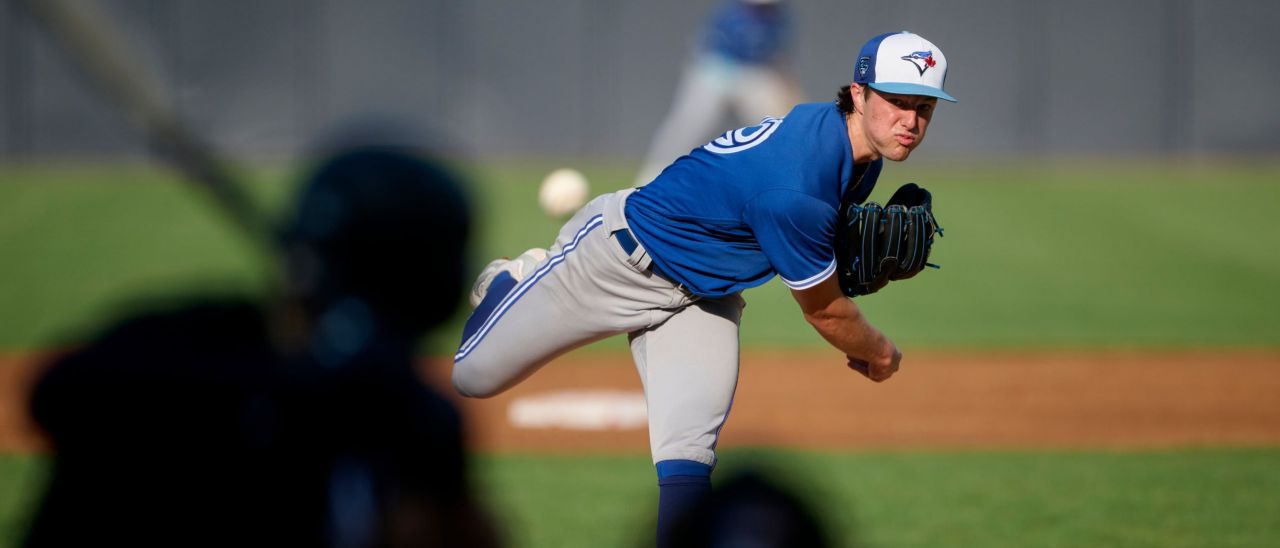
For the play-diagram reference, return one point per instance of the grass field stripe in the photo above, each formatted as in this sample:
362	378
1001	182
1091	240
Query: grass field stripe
523	288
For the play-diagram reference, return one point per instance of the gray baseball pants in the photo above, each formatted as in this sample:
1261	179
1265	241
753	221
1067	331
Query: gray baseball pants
685	348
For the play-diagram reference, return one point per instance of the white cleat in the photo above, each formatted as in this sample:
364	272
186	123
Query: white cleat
519	267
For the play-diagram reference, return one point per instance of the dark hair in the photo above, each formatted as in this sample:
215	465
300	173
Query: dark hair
844	98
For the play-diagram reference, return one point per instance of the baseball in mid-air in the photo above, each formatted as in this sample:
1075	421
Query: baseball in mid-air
563	192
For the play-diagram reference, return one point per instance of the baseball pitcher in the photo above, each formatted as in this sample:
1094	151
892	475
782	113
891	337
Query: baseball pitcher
666	263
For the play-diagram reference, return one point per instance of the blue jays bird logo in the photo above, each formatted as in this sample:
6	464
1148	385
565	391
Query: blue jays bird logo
921	59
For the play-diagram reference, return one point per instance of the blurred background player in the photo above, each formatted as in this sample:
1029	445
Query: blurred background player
666	263
739	67
228	422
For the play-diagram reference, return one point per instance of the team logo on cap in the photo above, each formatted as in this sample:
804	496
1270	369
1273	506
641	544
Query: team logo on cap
864	64
923	60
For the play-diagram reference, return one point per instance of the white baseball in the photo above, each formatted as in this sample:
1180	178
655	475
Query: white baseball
563	191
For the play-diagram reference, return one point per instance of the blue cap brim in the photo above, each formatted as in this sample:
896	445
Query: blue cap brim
911	89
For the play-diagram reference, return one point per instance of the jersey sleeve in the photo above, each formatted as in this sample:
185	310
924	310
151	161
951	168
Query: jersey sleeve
797	234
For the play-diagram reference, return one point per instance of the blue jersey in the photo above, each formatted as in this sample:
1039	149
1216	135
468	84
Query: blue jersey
746	33
755	202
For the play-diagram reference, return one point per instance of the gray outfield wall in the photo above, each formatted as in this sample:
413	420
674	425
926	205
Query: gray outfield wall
593	77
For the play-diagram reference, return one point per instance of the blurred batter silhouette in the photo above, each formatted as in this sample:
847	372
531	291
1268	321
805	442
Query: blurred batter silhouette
227	422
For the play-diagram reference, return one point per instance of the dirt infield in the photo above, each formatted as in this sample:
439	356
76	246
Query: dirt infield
937	401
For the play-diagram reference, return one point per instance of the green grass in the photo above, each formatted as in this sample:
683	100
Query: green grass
1191	498
1107	257
1054	255
78	242
22	479
1188	498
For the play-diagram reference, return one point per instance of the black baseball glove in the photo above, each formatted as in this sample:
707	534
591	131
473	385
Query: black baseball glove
875	245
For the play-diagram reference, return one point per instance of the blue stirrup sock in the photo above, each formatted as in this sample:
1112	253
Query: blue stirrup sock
682	484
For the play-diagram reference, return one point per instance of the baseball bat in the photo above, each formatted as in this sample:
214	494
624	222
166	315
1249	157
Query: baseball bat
100	53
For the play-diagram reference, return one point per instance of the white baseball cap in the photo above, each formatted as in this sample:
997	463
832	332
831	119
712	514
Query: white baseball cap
902	62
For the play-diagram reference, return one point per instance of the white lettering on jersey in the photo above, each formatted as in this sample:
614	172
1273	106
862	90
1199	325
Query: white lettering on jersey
739	140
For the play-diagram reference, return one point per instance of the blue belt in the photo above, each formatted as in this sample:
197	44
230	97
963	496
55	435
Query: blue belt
628	244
